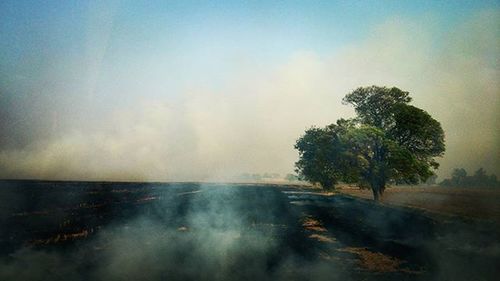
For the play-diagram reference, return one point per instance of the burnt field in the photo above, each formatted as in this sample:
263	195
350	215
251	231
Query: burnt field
191	231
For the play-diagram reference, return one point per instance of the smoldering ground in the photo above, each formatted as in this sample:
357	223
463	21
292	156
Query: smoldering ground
134	231
189	232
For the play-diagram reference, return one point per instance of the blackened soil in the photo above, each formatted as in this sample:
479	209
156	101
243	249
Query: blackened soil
192	231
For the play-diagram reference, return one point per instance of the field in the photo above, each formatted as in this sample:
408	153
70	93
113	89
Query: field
472	203
195	231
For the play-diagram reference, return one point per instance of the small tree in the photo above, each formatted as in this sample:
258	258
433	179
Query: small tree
459	177
390	140
480	179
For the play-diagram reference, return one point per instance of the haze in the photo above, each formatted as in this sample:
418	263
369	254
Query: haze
205	91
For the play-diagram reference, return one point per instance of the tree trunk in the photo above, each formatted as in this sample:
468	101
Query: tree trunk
378	188
382	189
376	193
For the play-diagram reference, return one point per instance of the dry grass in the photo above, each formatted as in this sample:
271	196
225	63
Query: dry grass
322	238
373	261
312	224
472	203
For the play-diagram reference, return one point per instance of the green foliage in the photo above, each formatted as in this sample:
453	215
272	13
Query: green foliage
321	155
374	104
389	141
315	148
416	130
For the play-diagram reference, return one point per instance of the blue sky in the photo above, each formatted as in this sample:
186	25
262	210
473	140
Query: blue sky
36	33
68	68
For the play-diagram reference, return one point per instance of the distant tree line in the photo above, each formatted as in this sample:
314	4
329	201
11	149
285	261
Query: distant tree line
268	177
260	177
459	178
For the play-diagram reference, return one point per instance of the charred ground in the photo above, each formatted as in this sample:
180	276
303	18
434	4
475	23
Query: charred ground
193	231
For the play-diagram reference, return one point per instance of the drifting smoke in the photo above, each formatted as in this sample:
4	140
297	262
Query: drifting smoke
193	232
137	123
112	107
229	232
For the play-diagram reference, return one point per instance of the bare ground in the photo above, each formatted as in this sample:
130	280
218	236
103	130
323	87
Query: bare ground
472	203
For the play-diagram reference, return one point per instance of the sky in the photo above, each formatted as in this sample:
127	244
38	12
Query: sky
208	90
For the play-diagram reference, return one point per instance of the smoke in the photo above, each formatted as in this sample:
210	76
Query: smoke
212	232
139	124
229	232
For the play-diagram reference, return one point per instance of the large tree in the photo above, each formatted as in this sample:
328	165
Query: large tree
389	141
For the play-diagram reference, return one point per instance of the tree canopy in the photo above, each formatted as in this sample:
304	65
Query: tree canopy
320	159
388	141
